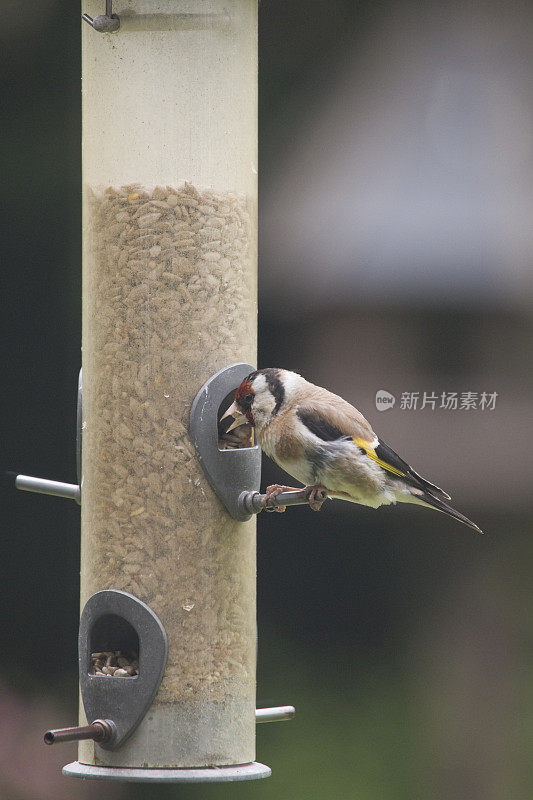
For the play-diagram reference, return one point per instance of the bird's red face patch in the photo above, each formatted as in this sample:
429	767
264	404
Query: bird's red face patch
244	397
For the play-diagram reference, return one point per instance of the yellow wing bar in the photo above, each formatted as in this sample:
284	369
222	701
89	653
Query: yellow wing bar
371	453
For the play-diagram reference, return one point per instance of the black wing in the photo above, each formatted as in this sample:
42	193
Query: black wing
319	425
389	458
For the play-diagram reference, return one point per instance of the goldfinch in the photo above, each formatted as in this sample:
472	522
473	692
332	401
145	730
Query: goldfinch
327	444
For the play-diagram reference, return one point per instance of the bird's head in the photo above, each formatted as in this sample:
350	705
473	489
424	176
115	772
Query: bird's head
259	398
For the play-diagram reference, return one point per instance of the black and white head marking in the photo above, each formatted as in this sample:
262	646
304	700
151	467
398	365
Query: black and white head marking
272	377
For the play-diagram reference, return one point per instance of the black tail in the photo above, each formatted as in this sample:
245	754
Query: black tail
440	505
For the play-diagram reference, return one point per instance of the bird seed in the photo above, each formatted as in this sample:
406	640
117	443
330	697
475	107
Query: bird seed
169	299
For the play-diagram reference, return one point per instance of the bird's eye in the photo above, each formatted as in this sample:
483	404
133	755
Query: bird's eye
247	400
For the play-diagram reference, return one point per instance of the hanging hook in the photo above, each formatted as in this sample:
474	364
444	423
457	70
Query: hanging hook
104	23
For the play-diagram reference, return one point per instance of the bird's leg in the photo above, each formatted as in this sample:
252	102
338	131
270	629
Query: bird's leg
316	496
273	491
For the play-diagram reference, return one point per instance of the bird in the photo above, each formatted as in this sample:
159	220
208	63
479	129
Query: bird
328	445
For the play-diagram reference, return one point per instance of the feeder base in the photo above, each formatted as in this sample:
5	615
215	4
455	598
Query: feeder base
239	772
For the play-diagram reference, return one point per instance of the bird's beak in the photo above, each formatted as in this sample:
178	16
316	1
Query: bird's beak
235	412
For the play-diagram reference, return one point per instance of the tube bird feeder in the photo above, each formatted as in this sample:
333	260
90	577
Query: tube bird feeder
169	298
167	638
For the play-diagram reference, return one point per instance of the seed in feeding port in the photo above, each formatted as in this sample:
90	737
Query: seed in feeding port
121	673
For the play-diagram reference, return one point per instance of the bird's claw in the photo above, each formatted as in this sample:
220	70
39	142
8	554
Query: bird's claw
273	491
316	496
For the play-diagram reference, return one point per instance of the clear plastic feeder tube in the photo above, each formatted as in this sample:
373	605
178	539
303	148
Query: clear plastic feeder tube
169	298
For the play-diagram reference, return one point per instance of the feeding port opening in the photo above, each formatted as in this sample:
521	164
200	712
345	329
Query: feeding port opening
114	648
237	439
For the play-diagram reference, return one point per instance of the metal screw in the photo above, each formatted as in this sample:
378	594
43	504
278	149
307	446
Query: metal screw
104	23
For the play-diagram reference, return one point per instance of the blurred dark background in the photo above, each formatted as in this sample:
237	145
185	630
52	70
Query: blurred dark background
396	175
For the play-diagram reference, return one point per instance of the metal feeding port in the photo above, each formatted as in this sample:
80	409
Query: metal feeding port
111	622
232	463
116	627
233	470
